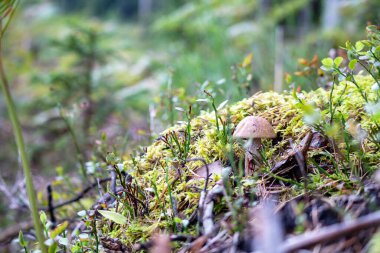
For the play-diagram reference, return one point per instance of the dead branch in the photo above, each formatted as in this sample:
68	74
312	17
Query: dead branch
331	233
80	195
50	205
207	207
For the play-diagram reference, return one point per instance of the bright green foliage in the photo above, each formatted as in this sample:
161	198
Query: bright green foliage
22	242
56	237
115	217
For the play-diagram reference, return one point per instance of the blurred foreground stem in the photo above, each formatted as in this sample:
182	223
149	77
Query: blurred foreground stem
21	146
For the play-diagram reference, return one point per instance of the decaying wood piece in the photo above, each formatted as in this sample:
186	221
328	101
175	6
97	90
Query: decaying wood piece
207	207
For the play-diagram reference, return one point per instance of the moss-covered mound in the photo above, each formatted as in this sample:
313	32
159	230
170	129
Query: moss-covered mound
162	189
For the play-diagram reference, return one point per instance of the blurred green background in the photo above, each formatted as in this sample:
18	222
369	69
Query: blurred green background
107	75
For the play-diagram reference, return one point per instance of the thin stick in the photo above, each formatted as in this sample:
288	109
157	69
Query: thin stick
207	208
113	185
331	233
50	206
300	156
80	195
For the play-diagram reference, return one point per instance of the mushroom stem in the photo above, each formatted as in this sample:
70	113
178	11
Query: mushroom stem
253	128
251	154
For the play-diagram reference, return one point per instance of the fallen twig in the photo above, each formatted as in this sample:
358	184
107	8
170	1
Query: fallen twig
197	244
50	205
330	233
235	241
80	195
207	207
113	184
300	155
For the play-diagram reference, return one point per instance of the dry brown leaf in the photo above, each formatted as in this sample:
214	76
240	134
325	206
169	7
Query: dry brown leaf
213	168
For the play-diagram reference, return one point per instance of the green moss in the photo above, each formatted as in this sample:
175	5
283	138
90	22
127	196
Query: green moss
285	114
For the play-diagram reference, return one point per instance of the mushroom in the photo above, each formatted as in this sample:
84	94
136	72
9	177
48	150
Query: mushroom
254	129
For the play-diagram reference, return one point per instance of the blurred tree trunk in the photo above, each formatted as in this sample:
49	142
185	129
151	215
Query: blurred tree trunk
279	58
144	10
264	6
304	21
331	15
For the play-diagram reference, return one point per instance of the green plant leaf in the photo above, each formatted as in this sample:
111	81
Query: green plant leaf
348	45
43	217
222	105
359	46
352	64
177	220
21	239
59	229
338	61
114	216
53	248
247	60
327	62
351	55
111	158
377	51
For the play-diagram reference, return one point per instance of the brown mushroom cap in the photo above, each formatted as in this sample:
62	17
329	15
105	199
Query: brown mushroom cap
254	127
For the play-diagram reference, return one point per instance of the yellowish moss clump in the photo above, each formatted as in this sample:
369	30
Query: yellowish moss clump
160	175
